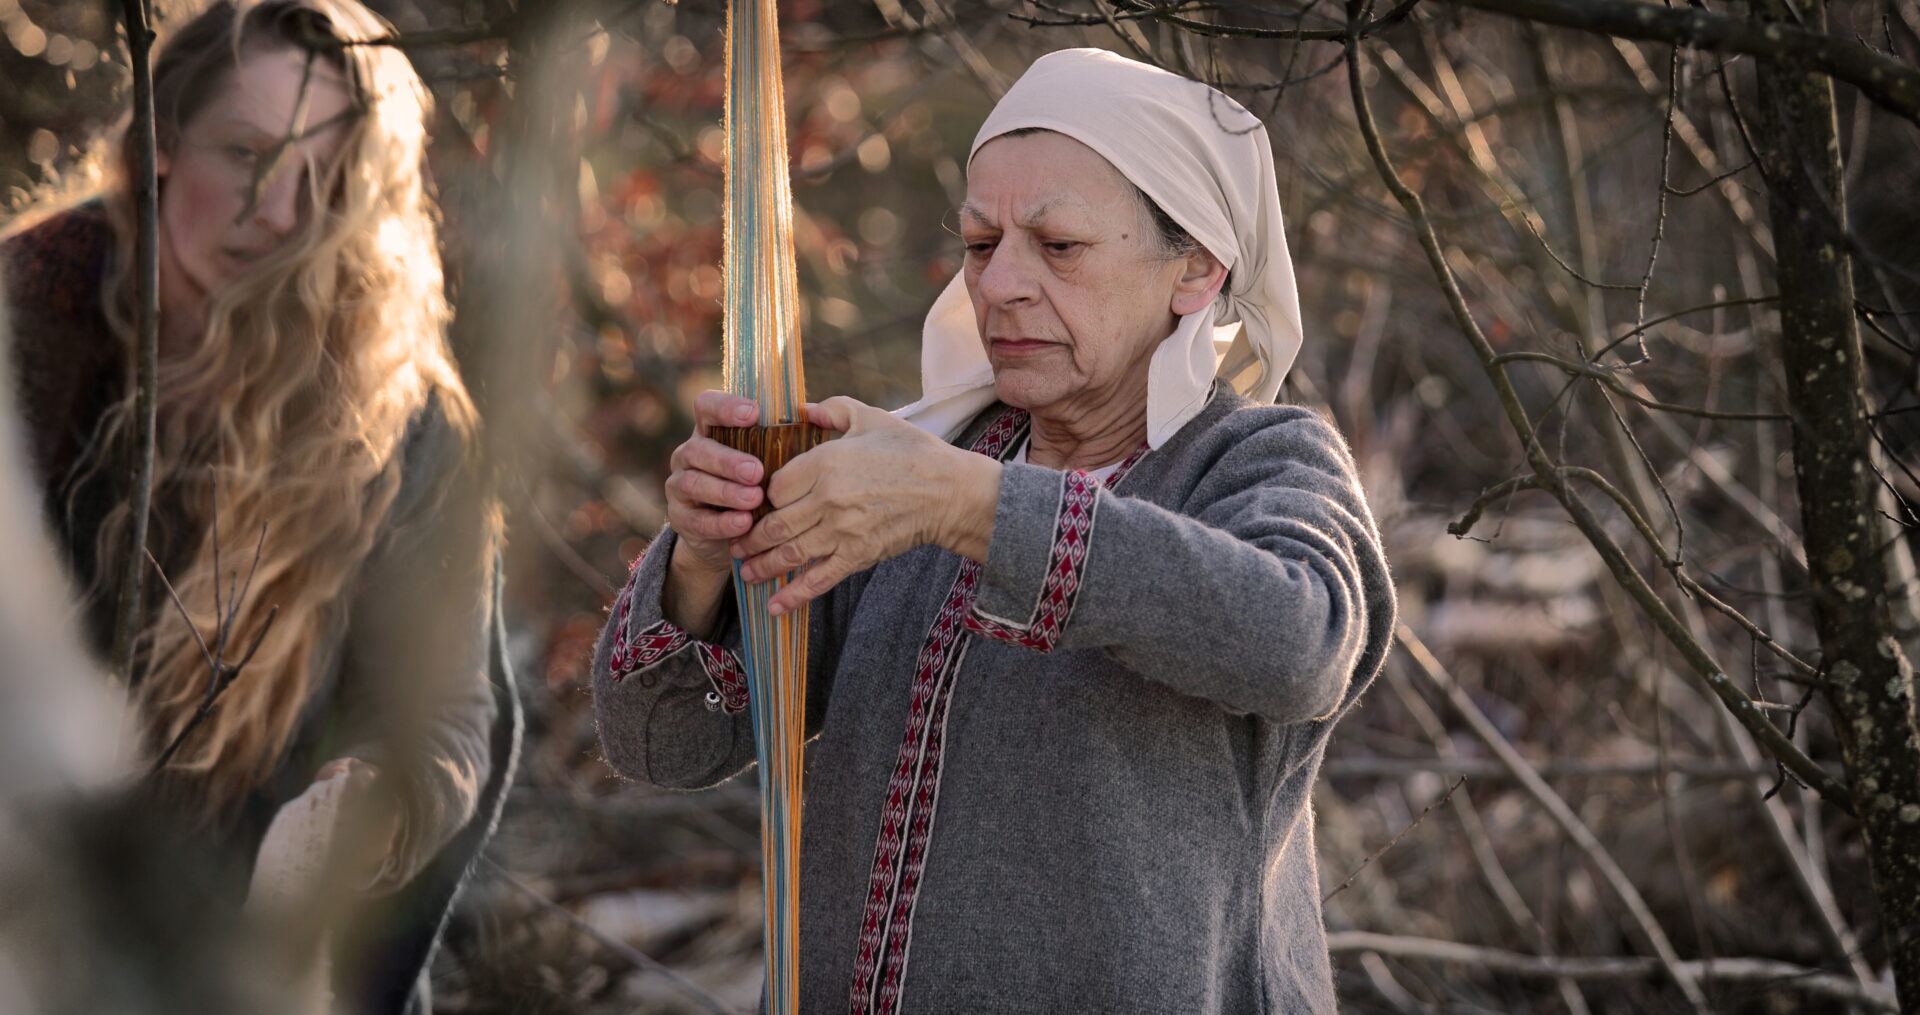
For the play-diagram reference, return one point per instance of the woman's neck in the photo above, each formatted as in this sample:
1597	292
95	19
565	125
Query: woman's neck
1102	435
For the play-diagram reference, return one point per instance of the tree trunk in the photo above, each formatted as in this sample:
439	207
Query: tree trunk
1869	685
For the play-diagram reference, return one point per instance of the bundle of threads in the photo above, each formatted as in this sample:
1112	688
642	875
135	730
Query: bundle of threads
762	362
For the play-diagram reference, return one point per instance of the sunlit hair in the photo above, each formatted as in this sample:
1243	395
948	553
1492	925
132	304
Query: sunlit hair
291	409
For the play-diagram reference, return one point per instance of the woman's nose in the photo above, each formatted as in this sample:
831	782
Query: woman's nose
277	206
1007	279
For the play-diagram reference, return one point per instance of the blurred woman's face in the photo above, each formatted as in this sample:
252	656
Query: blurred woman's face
219	212
1063	268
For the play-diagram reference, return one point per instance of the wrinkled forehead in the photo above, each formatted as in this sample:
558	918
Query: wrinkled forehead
1028	177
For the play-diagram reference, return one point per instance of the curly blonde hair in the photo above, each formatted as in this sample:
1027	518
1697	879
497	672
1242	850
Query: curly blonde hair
291	410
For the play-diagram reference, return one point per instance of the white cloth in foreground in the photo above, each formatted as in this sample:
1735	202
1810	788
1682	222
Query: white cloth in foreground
291	873
1206	162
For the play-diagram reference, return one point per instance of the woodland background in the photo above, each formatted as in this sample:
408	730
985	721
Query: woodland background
1560	793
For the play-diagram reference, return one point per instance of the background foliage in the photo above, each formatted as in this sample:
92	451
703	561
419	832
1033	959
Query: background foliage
1549	159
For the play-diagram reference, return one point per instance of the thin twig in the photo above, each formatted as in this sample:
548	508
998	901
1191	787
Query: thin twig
222	678
1642	328
1607	377
1562	815
634	956
205	652
1376	854
1660	209
1504	488
1491	770
1767	972
1479	842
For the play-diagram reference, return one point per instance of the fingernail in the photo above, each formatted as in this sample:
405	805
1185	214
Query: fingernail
745	472
743	414
776	609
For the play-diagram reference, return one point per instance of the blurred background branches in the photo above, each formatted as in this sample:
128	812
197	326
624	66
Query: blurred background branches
1585	248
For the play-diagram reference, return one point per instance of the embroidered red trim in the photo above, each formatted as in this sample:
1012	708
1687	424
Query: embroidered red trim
728	675
651	645
906	820
1066	565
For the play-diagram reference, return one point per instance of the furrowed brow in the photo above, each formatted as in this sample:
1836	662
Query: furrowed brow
1034	218
1031	220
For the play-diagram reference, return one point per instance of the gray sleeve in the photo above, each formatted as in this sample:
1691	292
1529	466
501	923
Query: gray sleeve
661	697
1262	593
673	709
416	696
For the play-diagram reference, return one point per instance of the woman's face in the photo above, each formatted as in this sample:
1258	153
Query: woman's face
1069	288
212	225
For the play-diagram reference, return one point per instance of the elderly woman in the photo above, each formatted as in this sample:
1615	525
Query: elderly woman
1102	637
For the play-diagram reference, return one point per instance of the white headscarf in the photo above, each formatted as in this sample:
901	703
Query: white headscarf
1204	160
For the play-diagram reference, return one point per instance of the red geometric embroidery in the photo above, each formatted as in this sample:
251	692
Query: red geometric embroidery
906	820
655	643
1066	564
729	678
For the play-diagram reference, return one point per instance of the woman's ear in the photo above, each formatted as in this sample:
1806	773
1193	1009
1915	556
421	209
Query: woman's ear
1201	275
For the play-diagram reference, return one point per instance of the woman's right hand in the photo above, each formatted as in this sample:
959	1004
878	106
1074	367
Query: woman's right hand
712	489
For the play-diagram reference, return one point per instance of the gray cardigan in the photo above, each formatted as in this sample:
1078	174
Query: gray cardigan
1118	732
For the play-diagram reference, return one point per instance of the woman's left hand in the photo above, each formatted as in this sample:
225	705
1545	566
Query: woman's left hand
880	490
372	818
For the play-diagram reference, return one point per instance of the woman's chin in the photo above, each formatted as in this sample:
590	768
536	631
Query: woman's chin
1025	389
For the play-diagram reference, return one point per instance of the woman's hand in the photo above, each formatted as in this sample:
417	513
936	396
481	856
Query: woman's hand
884	488
712	489
711	493
371	820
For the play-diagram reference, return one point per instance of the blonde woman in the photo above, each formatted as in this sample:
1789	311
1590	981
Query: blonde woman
314	440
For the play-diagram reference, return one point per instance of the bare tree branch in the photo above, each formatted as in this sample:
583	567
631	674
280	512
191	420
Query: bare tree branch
1562	815
1133	10
1547	472
1768	972
1606	377
1889	82
633	956
146	362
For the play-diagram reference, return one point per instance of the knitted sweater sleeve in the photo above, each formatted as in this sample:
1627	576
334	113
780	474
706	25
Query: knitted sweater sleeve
415	696
673	709
1262	592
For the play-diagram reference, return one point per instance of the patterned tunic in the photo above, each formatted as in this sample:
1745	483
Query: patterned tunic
1074	778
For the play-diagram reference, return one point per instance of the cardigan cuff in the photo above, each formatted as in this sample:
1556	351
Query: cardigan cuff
635	651
1037	561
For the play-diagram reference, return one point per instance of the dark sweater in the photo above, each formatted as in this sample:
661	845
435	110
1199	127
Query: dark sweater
1091	792
407	652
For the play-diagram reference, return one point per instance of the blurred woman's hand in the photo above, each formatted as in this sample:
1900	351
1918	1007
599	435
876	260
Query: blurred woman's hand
371	821
882	489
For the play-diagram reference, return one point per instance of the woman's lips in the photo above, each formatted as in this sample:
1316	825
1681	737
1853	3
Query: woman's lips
1020	346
